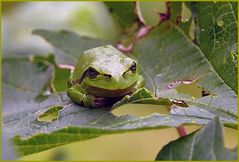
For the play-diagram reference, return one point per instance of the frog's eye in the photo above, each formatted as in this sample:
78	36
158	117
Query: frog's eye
133	67
92	73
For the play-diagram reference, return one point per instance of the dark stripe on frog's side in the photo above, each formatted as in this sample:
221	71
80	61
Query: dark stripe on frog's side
99	92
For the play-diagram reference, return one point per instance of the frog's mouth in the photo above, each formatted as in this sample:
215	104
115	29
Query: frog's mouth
100	92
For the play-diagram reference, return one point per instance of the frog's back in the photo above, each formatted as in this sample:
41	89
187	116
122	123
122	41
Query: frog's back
104	57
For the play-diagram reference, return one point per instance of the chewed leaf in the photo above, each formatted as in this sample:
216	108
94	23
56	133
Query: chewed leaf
52	113
206	144
77	123
142	96
164	68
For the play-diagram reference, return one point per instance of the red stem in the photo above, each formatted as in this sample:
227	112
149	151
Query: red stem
181	131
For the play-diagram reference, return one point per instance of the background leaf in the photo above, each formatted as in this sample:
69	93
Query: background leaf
206	144
70	44
151	10
25	85
125	19
181	14
60	79
217	36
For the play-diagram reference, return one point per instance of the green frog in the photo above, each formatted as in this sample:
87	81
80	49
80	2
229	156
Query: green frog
102	76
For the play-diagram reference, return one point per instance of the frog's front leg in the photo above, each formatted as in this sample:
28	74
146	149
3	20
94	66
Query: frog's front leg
79	96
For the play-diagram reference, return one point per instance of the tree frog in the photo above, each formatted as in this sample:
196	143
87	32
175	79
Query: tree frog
102	76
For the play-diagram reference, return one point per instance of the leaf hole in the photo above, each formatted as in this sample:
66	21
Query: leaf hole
140	109
189	87
50	114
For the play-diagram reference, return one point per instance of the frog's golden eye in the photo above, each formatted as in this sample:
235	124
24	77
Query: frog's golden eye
133	67
92	73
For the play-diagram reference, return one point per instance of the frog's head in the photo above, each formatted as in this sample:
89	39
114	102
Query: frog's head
109	71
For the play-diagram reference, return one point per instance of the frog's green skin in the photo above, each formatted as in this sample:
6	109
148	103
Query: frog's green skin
117	76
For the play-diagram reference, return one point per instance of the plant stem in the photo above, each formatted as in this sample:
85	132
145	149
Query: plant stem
181	131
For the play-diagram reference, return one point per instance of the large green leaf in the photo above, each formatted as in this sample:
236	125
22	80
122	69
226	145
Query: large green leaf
20	90
167	63
77	123
68	44
74	123
206	144
217	38
29	120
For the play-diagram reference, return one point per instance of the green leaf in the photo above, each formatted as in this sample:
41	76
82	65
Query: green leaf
60	78
77	123
70	44
28	81
235	8
50	114
125	19
206	144
151	10
142	96
25	83
60	73
94	20
181	61
25	78
181	14
217	36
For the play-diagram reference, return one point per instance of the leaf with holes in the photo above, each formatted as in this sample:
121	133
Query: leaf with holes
36	125
182	62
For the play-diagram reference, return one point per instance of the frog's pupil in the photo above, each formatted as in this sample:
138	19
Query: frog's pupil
133	67
92	73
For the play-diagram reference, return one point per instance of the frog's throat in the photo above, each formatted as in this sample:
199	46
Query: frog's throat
100	92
